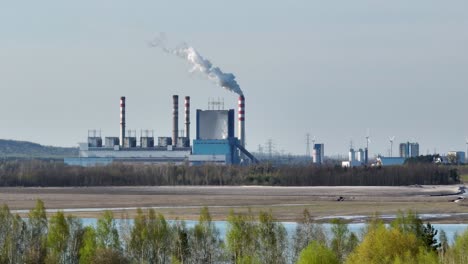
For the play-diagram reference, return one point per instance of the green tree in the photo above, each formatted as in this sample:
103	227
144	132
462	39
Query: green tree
241	237
75	240
180	243
306	231
150	238
382	245
57	239
422	257
411	223
125	232
37	234
205	242
88	246
12	237
139	236
317	253
444	245
429	234
107	234
271	240
109	256
343	241
408	222
427	257
159	235
458	254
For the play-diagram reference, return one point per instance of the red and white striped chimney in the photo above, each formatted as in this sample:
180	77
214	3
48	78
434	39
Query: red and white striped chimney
122	120
242	120
175	119
187	118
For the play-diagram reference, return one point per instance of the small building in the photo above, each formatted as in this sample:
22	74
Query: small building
318	154
350	164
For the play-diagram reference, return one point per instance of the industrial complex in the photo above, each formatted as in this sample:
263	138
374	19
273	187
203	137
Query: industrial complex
215	141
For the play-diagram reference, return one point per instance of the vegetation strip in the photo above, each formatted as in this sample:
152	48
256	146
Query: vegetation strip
56	173
249	239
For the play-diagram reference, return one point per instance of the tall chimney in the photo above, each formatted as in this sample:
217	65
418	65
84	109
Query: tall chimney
187	118
122	121
242	120
175	119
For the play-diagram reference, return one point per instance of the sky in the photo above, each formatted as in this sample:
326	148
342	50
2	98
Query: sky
334	69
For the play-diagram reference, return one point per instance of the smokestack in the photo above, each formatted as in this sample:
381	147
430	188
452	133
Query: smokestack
122	120
175	119
242	120
187	118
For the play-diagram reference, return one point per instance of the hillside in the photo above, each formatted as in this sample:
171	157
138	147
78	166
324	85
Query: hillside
24	149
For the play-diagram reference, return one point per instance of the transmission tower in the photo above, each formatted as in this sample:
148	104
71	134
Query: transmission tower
466	153
269	146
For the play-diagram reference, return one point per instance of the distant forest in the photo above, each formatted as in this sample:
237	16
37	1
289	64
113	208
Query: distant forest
24	149
35	172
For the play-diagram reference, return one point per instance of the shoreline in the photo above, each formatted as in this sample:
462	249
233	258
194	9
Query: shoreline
353	203
447	218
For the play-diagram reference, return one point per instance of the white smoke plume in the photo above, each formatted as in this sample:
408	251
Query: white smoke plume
200	64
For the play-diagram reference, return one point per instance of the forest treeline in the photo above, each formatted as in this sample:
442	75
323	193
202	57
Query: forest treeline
55	173
150	238
25	149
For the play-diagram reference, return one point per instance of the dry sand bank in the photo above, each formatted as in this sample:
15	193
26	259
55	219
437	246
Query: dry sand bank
287	203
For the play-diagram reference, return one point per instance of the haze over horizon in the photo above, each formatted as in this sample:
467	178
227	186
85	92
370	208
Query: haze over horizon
329	69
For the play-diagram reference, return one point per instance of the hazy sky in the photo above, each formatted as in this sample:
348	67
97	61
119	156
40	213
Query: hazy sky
330	68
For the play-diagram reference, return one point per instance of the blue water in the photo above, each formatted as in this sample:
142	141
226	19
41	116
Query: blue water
450	229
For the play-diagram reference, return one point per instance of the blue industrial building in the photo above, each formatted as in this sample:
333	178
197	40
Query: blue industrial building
217	147
215	138
390	161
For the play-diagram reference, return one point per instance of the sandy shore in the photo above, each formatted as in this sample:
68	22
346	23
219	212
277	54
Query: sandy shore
286	203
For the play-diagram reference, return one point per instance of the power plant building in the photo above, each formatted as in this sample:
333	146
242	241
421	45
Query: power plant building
215	141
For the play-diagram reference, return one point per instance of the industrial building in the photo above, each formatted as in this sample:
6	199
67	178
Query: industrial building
215	141
318	154
390	161
409	150
356	158
456	157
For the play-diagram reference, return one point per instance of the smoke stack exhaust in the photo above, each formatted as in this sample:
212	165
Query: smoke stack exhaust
242	120
122	121
187	118
175	119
